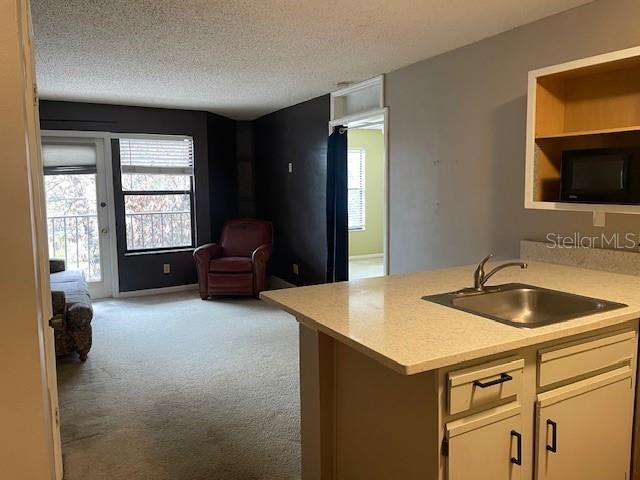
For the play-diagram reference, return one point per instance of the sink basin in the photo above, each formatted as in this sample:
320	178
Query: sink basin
522	305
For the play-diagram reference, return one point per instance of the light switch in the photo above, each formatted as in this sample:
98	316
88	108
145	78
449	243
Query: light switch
296	270
166	268
290	167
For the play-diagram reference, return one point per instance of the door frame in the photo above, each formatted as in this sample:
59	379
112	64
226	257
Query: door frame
357	117
38	380
104	153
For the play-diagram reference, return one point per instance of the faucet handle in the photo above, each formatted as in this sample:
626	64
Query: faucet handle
485	260
478	275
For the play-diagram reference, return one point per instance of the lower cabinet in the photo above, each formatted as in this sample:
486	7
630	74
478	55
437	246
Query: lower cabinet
584	429
486	446
562	412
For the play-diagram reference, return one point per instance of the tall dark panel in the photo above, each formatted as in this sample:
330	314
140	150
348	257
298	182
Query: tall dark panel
337	207
245	155
223	172
295	202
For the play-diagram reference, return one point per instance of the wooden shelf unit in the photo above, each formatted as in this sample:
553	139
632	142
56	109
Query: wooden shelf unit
582	133
588	103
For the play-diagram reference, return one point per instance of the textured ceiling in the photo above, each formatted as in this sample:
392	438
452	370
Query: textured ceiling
247	58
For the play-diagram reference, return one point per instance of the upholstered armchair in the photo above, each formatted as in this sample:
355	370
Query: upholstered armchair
237	265
71	301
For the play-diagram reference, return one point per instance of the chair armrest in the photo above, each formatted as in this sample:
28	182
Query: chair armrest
204	253
58	302
260	257
56	265
203	256
261	254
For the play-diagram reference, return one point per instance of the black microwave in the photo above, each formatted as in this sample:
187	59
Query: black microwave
604	175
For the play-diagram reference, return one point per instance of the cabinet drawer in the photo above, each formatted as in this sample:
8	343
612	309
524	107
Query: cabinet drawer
557	364
484	384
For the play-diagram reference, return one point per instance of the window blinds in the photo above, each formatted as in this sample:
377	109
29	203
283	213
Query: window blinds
68	158
161	156
355	186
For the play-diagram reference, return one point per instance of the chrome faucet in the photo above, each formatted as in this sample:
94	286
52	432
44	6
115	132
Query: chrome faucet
480	278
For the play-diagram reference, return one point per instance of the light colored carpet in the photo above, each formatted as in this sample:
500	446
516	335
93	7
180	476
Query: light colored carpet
180	388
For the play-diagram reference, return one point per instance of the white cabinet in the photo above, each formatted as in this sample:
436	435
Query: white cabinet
486	446
584	429
561	411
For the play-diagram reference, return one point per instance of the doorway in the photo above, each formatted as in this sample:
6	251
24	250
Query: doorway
358	182
77	205
366	200
357	201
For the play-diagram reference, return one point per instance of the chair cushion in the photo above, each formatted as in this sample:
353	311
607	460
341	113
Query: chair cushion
69	276
78	300
231	265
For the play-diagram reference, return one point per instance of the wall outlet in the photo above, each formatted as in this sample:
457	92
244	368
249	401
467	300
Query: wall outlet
166	268
296	270
290	167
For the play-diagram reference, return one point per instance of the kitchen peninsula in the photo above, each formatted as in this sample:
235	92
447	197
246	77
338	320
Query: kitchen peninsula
395	387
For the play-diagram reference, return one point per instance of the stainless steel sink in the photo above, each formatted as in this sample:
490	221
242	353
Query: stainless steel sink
523	305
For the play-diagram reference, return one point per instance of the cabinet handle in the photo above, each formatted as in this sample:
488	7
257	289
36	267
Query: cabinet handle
554	436
504	377
518	458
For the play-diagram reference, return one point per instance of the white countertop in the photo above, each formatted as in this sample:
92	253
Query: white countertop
386	319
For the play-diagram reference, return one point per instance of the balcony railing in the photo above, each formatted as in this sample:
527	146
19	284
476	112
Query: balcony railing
76	238
151	230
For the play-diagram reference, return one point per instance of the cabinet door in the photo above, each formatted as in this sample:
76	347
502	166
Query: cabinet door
584	429
486	446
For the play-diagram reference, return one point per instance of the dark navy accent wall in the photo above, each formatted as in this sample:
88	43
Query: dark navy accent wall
215	176
295	202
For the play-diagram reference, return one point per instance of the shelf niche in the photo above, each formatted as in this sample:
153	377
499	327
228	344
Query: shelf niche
601	97
548	157
589	103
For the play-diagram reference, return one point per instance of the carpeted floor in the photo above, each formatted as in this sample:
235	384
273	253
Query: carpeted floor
177	388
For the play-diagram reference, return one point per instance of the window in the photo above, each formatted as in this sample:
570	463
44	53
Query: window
157	186
355	186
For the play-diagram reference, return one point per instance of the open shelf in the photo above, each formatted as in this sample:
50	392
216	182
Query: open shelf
547	156
585	104
602	97
582	133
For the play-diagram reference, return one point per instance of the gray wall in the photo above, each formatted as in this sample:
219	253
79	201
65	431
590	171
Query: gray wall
457	140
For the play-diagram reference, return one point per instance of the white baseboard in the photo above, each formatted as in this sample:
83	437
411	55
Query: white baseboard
157	291
367	257
276	283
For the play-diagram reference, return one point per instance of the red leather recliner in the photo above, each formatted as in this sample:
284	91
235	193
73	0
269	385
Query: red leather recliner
238	264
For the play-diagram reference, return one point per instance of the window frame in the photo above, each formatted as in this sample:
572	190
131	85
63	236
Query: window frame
362	152
124	193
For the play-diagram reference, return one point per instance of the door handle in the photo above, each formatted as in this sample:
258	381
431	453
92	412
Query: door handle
518	458
57	322
104	230
554	436
504	377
